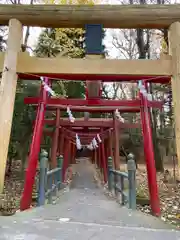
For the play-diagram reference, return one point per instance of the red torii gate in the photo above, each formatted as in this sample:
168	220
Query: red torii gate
93	77
92	72
86	105
85	137
91	123
93	102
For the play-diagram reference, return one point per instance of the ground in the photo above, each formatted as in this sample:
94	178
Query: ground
84	212
10	199
169	193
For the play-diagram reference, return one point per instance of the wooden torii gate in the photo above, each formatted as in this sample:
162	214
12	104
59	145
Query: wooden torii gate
14	63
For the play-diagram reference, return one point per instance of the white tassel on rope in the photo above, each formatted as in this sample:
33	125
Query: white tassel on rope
78	143
118	115
90	146
94	143
143	90
71	118
99	139
149	97
47	88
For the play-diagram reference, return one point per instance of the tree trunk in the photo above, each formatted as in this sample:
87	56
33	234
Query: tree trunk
157	153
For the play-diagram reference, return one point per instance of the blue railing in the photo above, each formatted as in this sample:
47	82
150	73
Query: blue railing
116	181
49	181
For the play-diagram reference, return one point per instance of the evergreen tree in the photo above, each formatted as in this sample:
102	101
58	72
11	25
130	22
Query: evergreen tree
23	118
67	42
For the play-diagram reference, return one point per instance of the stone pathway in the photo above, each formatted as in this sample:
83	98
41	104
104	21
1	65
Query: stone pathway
84	212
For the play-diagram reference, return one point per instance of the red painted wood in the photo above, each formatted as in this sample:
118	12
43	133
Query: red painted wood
73	153
99	158
106	147
66	157
111	147
48	133
92	123
61	142
116	145
103	159
34	153
93	102
149	156
92	109
94	77
90	136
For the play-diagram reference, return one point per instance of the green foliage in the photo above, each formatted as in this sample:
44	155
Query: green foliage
66	42
51	43
22	121
47	45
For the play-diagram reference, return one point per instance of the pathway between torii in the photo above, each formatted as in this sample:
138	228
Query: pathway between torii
84	212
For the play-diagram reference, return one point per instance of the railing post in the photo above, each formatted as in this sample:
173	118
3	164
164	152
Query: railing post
122	190
110	174
59	174
50	184
131	166
42	177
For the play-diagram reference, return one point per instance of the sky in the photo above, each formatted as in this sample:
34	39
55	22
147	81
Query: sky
35	31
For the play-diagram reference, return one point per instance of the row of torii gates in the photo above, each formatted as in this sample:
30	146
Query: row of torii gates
94	69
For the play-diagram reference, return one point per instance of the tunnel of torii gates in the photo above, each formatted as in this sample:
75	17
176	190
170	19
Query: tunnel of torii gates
94	69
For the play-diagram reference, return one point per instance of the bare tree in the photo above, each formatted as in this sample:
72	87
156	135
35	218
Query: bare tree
142	44
24	45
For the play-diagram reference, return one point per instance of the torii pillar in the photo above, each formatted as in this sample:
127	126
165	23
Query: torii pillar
174	50
116	142
8	91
